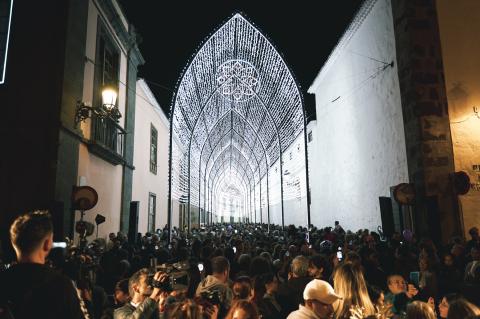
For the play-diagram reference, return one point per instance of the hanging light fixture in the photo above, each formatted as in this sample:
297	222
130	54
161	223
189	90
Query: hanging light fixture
109	98
108	109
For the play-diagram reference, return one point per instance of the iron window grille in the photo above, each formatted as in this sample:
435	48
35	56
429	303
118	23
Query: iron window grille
153	149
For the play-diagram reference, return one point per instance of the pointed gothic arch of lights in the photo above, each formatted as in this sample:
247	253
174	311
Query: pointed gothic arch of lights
237	135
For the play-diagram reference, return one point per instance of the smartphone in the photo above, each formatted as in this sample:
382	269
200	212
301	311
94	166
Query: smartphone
415	278
234	249
339	254
200	267
236	231
287	253
61	244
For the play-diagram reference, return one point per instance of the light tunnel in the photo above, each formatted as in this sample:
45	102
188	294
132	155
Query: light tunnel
237	135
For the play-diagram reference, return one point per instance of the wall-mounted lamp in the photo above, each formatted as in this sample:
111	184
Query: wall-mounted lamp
107	109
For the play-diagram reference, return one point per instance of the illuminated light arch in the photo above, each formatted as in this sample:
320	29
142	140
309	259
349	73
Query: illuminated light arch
236	92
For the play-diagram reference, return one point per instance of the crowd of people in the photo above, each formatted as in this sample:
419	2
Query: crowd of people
240	271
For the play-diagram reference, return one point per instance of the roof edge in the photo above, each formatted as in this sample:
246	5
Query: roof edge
153	102
352	28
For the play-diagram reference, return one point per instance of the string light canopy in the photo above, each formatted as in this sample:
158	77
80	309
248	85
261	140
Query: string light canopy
237	108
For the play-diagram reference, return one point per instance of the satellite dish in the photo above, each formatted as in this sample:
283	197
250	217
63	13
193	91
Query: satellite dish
84	198
404	194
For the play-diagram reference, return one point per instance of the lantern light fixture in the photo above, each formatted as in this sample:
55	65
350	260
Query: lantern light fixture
108	109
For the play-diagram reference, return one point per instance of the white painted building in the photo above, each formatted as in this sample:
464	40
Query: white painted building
358	148
104	154
150	177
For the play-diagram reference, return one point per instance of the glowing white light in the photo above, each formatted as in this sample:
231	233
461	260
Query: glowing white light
2	77
237	109
238	80
109	97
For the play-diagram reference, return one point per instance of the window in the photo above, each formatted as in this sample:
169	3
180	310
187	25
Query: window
107	63
153	149
107	136
152	207
310	136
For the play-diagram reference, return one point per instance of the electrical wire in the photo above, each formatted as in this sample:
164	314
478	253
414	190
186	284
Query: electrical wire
356	88
368	57
466	119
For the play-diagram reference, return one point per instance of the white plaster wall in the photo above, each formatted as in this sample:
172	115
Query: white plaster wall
93	171
459	22
358	152
147	113
106	179
295	184
294	202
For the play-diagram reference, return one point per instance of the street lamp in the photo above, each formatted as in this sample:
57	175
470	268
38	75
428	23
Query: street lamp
107	109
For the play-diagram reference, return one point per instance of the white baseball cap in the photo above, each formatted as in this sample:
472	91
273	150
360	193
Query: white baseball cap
320	290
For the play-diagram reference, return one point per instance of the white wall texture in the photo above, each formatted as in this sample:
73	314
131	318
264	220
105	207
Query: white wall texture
147	113
359	146
294	189
458	21
93	171
295	184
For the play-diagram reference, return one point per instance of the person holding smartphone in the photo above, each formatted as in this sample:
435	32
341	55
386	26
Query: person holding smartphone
400	293
31	289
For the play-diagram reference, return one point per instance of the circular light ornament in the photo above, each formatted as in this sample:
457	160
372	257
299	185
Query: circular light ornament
238	80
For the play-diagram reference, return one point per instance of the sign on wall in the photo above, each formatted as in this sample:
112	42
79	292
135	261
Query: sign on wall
5	20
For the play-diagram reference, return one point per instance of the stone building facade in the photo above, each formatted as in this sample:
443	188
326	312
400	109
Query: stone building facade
61	53
390	118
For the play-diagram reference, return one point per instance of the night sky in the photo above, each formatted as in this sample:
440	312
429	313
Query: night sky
171	32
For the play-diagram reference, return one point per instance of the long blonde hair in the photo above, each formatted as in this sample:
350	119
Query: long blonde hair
349	283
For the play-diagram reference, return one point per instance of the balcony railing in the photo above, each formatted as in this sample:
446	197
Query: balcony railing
107	140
